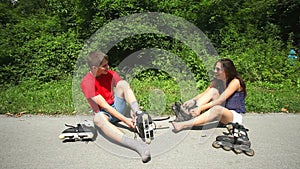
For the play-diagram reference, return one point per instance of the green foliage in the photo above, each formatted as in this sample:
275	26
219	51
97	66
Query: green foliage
108	10
35	97
262	61
43	59
154	94
268	97
40	41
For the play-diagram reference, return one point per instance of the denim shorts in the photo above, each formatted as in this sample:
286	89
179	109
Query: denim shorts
119	105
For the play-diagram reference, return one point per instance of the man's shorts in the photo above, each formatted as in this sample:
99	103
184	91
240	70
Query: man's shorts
119	105
237	117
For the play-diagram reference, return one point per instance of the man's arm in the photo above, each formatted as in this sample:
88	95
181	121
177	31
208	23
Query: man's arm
102	103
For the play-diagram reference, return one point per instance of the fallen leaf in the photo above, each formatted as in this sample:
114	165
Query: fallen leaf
284	110
9	114
20	114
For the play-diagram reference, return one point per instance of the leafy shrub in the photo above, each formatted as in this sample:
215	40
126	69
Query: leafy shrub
47	98
43	59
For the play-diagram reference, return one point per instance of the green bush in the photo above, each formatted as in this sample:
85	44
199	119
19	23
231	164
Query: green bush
40	42
267	97
34	97
43	59
154	95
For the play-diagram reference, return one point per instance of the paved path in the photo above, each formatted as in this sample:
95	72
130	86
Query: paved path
32	142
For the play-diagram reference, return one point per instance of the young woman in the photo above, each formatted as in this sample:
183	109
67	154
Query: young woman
223	100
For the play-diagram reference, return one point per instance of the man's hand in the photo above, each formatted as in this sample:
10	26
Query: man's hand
129	122
132	114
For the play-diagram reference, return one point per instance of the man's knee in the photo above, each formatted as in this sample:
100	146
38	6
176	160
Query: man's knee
123	84
100	119
122	87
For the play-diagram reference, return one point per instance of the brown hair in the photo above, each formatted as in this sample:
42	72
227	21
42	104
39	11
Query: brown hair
95	58
231	72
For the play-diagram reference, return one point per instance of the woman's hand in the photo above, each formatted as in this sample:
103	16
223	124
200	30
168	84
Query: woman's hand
189	103
196	111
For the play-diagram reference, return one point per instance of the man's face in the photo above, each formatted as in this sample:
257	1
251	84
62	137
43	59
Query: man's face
103	68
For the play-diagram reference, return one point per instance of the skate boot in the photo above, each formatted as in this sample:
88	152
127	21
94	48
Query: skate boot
181	112
225	141
236	139
81	132
144	126
242	142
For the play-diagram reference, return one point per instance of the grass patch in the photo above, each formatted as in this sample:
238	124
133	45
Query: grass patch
154	95
35	98
265	97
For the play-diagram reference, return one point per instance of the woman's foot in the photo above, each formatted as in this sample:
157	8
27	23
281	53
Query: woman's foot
177	126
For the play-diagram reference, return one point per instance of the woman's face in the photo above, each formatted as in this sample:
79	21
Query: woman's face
219	71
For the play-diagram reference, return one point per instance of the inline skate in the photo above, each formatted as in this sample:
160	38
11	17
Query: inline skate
236	139
181	112
81	132
144	126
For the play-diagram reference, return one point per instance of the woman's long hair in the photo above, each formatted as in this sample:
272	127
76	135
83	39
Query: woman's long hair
231	73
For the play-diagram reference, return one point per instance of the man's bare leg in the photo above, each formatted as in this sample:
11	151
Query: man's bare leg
123	90
112	132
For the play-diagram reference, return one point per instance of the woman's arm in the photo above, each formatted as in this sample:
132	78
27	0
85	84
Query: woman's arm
201	94
233	86
192	101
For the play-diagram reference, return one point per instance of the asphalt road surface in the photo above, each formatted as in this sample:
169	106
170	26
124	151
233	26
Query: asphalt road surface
32	142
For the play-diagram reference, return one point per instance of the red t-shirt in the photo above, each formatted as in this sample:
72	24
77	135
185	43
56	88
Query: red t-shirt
102	85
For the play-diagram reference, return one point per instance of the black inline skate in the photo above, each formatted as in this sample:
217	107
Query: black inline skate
144	126
236	139
81	132
181	112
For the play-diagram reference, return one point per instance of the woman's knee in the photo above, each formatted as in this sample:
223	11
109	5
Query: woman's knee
223	114
217	109
214	93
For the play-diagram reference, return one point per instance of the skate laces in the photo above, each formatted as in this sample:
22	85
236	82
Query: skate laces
237	130
181	112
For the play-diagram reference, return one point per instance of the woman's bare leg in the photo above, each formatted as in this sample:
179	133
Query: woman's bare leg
208	96
217	112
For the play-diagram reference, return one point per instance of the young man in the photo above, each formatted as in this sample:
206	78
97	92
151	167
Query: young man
109	105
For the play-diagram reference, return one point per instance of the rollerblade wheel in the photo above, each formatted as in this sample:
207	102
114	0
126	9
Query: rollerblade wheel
147	141
237	151
250	152
216	145
226	148
61	137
